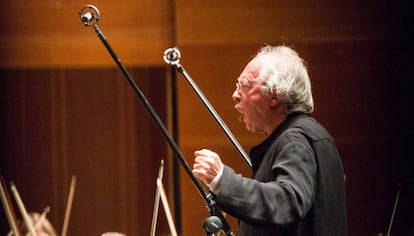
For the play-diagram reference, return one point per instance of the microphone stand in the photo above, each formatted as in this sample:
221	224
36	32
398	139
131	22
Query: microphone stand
90	16
172	57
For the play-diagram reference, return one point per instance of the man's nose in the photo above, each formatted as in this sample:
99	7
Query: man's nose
236	95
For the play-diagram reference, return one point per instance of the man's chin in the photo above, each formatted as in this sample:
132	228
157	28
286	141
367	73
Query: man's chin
241	119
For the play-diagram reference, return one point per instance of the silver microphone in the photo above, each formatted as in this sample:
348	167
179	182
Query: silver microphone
89	15
87	18
213	224
172	56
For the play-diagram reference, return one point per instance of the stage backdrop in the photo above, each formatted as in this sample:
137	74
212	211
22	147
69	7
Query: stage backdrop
67	110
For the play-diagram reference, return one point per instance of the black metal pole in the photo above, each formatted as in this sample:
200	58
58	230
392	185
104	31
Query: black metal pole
210	201
172	56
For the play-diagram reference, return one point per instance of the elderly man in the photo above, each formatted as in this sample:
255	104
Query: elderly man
297	187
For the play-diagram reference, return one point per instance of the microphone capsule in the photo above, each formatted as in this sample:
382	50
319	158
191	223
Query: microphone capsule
213	224
87	17
172	56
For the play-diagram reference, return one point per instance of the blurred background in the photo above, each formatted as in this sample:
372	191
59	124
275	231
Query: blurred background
67	110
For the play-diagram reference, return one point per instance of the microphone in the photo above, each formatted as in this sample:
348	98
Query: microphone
89	15
212	224
172	56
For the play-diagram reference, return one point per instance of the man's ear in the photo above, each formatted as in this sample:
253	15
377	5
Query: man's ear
274	101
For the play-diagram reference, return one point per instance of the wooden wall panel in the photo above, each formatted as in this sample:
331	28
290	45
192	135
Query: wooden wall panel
50	33
358	59
265	21
84	122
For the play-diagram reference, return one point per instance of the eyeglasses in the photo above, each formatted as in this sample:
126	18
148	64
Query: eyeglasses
240	86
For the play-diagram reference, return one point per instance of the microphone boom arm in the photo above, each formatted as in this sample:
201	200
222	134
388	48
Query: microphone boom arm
172	57
209	199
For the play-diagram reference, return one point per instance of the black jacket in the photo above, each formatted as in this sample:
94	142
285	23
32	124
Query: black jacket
297	186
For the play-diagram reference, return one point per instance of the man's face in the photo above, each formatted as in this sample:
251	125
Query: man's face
252	104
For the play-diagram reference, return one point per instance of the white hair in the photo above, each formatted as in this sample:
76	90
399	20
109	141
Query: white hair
285	75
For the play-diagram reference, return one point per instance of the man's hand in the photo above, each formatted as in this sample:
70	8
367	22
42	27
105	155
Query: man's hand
207	164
